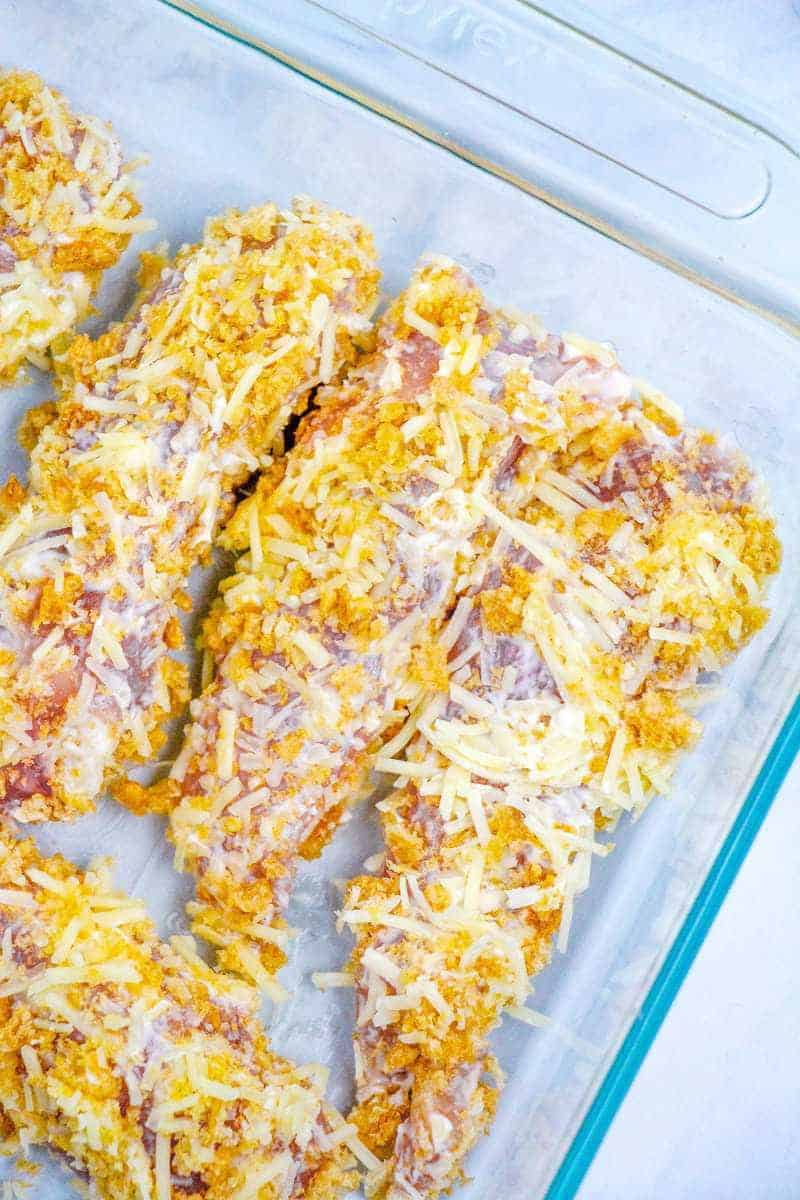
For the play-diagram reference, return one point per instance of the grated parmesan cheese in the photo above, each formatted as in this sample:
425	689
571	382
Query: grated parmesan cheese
225	746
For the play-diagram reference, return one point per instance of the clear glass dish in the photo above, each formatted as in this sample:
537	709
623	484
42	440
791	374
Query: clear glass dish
580	182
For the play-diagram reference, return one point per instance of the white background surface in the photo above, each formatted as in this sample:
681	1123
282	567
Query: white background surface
714	1113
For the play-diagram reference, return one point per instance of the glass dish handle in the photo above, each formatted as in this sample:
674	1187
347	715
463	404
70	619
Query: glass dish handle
585	125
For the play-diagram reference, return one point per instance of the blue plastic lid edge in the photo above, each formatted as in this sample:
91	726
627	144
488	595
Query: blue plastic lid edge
676	966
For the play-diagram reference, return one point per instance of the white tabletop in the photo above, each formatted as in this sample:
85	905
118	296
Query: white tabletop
714	1113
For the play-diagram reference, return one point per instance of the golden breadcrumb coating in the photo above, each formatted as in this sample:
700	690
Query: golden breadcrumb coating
158	421
135	1061
577	661
67	212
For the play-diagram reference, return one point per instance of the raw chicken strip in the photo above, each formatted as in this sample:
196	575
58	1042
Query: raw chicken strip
159	421
129	1057
581	655
355	550
67	212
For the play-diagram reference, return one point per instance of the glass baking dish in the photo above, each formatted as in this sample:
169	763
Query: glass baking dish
574	179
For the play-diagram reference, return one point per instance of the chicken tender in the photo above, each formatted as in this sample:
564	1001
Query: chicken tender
354	551
128	1056
159	421
577	664
67	212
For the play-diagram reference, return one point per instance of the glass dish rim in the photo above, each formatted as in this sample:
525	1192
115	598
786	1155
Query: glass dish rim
726	864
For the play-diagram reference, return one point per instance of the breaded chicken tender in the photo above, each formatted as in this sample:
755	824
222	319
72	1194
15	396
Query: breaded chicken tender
67	212
354	552
158	422
144	1070
577	662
